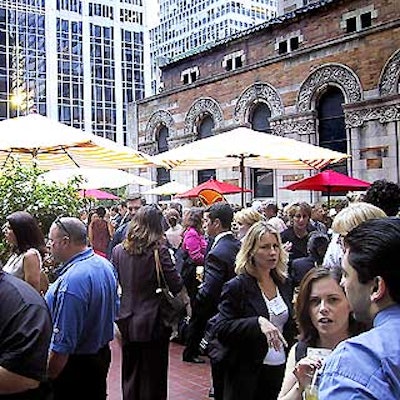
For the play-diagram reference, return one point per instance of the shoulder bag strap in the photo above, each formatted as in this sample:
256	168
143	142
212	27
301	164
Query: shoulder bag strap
159	270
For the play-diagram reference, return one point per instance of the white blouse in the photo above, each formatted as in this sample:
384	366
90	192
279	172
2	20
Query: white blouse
278	316
15	264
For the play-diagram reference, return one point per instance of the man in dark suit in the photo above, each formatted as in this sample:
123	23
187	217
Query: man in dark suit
134	203
218	269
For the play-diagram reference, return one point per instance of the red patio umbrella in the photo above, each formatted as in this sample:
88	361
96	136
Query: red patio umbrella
213	184
97	194
329	181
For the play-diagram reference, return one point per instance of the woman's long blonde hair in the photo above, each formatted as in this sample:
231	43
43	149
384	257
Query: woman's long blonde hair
250	245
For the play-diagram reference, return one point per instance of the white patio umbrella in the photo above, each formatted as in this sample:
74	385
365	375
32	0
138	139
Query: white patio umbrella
168	189
244	147
35	139
95	178
252	148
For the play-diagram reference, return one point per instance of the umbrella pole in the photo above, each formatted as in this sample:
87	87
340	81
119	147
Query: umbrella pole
329	198
242	179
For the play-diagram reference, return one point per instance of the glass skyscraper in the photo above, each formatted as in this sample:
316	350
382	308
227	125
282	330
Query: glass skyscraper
77	61
192	25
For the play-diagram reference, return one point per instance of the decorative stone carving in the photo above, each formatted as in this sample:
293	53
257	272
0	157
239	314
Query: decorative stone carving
384	114
149	148
336	74
294	125
158	118
200	107
258	91
390	75
180	140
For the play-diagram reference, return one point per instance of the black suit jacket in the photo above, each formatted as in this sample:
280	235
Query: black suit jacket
219	267
139	310
237	328
300	267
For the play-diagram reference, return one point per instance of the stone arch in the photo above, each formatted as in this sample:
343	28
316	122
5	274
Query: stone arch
328	75
159	118
205	105
390	76
259	91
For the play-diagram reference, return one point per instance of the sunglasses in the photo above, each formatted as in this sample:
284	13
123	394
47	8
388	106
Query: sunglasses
60	224
134	208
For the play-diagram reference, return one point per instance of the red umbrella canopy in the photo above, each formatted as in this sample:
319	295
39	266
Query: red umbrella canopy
329	181
213	184
97	194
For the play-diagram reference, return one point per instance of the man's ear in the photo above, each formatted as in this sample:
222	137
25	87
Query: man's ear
378	289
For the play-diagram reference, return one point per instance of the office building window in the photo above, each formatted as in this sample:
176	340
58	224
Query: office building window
331	126
262	179
190	75
362	18
288	43
233	61
163	175
205	129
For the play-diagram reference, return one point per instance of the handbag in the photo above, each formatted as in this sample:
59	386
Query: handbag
172	307
211	346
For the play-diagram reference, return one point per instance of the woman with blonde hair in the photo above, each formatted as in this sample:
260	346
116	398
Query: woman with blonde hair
346	220
255	320
245	218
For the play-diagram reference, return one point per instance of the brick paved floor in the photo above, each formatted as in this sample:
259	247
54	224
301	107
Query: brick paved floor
185	381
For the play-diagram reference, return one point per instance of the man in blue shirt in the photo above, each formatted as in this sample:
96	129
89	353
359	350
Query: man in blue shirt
368	366
83	304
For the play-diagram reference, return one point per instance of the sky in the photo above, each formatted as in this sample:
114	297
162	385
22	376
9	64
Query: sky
152	12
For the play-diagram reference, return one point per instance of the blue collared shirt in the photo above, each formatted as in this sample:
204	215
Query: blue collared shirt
83	303
366	366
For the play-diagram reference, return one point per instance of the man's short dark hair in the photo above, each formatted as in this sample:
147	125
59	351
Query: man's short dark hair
385	195
374	251
223	212
133	197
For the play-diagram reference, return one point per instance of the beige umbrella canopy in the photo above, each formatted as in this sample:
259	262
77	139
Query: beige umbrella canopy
95	178
244	147
248	148
35	139
168	189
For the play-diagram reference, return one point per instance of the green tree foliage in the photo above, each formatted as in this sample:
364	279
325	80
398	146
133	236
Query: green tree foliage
20	189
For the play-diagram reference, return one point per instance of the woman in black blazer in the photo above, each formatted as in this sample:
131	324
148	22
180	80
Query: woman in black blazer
145	340
255	320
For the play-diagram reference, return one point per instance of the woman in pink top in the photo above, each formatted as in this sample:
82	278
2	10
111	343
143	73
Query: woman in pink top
194	247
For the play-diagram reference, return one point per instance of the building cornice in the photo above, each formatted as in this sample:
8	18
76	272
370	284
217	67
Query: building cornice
298	54
384	110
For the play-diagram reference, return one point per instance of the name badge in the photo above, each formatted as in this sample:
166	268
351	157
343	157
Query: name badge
277	305
318	354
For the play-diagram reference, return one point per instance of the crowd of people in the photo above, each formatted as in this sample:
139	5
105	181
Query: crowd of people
291	303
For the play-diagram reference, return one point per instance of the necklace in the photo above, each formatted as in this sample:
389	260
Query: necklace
268	290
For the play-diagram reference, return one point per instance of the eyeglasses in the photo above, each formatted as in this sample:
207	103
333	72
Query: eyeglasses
134	208
60	224
6	227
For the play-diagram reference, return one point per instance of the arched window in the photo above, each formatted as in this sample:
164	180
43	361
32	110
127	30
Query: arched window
262	179
331	127
163	175
205	129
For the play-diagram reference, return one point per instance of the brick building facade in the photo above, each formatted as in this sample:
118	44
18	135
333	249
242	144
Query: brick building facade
327	74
